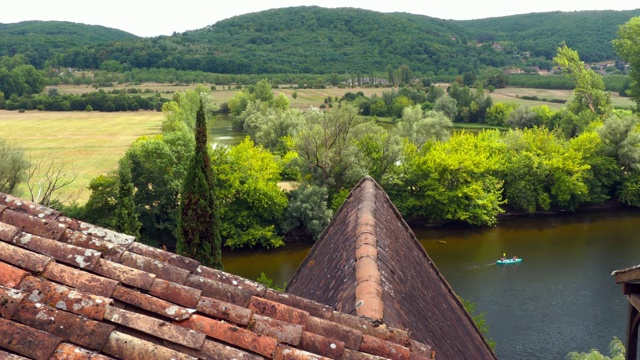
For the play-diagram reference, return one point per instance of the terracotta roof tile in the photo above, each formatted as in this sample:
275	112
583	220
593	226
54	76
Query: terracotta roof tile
10	276
224	310
284	352
7	356
179	294
23	258
67	326
66	253
32	224
99	232
27	341
66	351
124	274
162	270
80	279
9	301
420	351
313	308
128	347
28	207
356	355
213	350
384	332
240	337
283	331
321	345
164	256
158	328
218	290
8	232
65	298
109	250
253	287
151	303
376	346
351	337
278	311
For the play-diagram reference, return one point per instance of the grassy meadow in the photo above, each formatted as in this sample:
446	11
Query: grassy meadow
91	143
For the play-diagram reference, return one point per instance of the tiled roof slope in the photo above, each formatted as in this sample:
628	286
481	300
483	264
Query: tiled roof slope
71	290
369	263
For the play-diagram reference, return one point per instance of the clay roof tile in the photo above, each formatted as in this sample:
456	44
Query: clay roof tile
215	289
109	250
8	232
7	356
224	310
66	351
66	253
170	258
23	258
9	301
32	224
176	293
27	341
151	303
124	274
80	279
124	346
10	276
161	269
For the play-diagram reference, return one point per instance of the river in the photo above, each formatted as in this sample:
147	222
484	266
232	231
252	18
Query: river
561	298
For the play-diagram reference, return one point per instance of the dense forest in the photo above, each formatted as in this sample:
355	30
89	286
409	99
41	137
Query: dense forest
323	41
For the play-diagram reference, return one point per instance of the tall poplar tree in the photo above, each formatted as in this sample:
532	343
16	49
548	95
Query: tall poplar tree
198	230
126	216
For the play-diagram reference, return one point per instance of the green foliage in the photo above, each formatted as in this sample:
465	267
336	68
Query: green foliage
268	282
270	126
198	232
13	166
307	210
621	138
589	92
126	217
498	114
419	127
251	203
629	192
479	320
101	207
616	349
627	47
19	78
379	149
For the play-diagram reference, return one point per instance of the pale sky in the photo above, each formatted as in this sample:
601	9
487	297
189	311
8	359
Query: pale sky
152	18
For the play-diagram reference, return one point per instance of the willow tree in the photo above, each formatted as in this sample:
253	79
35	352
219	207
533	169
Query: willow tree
198	232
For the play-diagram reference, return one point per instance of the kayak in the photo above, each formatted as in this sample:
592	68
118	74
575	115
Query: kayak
508	261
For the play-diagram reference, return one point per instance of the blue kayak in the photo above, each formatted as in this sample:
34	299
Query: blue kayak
508	261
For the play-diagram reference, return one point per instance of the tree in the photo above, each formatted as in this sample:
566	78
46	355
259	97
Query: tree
198	232
589	94
13	166
616	349
522	117
628	47
126	217
45	179
419	127
307	211
447	105
621	138
102	203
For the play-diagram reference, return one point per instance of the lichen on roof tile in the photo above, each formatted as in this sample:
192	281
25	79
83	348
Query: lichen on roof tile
23	258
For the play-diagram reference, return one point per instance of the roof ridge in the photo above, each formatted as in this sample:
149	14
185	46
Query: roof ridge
368	283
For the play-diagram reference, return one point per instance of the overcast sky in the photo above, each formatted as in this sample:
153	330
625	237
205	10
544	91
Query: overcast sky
152	18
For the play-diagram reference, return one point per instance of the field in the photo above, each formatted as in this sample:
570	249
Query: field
515	95
91	143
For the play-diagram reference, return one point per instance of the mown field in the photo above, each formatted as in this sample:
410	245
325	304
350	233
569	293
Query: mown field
91	143
512	94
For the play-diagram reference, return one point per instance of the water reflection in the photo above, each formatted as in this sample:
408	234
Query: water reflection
220	132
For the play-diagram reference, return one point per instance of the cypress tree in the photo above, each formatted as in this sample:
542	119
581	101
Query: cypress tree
126	216
198	230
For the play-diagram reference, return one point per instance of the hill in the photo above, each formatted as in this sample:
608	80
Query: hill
588	32
41	40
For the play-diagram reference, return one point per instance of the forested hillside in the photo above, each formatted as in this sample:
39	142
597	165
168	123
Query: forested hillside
40	40
588	32
315	40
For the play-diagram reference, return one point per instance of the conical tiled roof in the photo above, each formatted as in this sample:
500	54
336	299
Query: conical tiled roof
369	263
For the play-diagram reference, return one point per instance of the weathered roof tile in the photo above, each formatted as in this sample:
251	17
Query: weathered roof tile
321	345
66	253
31	208
27	341
351	337
179	294
213	350
10	276
218	290
34	225
376	346
9	301
155	327
313	308
8	232
7	356
125	274
395	335
255	288
278	311
164	256
23	258
65	298
66	351
97	231
162	270
151	303
109	250
242	338
284	352
224	310
128	347
80	279
283	331
357	355
87	333
420	351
